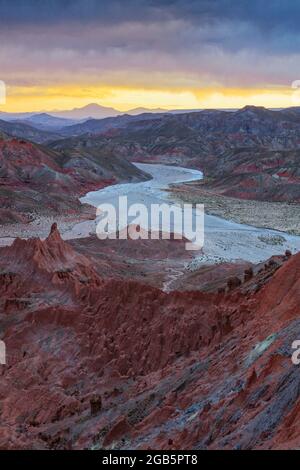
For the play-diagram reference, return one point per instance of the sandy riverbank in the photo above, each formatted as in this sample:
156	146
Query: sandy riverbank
280	216
84	224
224	240
40	226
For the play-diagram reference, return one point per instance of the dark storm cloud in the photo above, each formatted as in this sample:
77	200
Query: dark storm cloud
267	14
273	24
197	41
49	11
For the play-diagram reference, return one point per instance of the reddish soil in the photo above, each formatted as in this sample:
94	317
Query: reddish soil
143	260
114	363
35	180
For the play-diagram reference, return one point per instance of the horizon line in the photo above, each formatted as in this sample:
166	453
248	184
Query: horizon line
159	110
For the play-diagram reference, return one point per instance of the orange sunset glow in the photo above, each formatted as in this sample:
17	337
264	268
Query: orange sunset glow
20	99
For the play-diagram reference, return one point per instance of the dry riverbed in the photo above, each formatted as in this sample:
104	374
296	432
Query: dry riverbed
234	240
274	215
40	227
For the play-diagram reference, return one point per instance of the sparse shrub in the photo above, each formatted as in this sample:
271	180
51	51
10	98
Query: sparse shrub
248	274
233	283
288	253
272	239
96	404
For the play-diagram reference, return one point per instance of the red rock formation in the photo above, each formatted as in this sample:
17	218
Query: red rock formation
185	369
36	180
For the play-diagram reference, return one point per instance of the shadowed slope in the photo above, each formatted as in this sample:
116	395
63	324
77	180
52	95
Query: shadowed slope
114	363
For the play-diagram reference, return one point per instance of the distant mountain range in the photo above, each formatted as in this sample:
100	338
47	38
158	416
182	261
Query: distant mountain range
250	153
57	119
92	110
23	129
48	121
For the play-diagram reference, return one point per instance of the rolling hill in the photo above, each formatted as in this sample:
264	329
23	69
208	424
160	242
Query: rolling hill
35	180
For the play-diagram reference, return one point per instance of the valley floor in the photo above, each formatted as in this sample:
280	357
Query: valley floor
281	216
39	227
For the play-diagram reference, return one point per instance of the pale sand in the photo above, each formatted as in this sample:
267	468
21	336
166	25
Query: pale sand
281	216
224	240
39	228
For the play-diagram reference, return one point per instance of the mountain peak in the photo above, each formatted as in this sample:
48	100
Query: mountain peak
253	108
94	106
50	255
93	110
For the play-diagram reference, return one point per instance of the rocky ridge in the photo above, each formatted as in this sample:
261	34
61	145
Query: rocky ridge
94	362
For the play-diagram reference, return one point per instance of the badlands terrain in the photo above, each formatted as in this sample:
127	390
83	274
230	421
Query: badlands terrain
124	344
97	362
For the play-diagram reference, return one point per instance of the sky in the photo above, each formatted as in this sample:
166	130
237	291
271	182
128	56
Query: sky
60	54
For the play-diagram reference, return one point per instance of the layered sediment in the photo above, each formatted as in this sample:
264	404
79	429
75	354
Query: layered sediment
94	362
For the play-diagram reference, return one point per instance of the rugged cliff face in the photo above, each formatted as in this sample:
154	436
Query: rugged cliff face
37	181
94	362
251	153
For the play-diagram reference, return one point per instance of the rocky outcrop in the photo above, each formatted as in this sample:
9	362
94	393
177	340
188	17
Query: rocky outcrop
95	362
37	181
251	153
24	130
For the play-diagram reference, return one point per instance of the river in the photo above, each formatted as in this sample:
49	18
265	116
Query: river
224	240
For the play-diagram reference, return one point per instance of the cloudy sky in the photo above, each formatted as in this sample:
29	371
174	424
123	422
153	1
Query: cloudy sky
57	54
